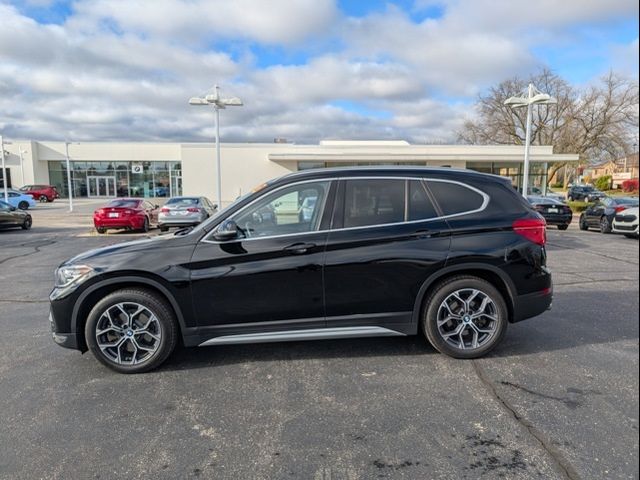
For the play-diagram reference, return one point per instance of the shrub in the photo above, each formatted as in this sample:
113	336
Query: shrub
630	186
557	185
603	182
578	207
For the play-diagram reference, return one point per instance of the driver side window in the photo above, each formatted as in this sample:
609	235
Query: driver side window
294	209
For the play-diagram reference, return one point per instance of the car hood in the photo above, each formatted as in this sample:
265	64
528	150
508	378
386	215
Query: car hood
131	251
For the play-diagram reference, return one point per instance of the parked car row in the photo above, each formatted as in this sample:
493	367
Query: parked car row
604	213
18	199
142	215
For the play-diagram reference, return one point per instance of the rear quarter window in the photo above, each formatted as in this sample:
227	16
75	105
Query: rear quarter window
455	198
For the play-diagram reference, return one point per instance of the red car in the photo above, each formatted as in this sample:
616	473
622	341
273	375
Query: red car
43	193
127	213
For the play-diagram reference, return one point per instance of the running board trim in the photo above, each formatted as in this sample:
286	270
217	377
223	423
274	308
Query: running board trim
296	335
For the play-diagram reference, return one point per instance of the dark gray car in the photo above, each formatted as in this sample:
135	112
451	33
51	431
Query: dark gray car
11	217
184	212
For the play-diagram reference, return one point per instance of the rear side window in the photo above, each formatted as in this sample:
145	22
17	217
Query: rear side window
420	205
454	198
373	202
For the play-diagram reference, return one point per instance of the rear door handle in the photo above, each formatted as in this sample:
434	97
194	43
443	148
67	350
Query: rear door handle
299	248
422	234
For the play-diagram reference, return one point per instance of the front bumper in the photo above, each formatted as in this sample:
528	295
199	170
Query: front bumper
66	340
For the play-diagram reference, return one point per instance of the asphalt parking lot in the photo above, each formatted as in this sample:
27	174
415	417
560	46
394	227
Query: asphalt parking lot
558	399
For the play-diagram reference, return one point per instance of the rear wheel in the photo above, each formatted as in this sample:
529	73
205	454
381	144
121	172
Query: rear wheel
131	331
605	225
43	199
465	317
563	227
23	205
26	225
583	223
101	230
145	225
164	229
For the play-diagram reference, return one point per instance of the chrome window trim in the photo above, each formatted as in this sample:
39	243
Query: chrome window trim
484	196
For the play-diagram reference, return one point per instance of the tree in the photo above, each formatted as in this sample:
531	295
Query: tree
594	122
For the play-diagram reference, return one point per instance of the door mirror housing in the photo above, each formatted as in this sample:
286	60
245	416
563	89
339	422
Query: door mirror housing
227	230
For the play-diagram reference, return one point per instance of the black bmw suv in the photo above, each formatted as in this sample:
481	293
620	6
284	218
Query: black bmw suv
320	254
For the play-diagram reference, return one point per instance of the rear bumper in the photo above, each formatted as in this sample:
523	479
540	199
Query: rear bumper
560	219
532	304
127	222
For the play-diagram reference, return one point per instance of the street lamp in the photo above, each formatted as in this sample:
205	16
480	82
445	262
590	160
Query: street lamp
218	103
69	187
4	168
534	96
22	152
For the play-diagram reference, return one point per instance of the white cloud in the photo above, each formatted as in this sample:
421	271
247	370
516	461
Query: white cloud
272	22
124	69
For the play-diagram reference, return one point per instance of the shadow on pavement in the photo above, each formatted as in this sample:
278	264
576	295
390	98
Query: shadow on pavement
558	329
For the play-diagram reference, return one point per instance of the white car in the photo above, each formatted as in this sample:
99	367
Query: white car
626	222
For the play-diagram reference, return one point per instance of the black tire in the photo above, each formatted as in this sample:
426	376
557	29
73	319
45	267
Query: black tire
23	205
43	199
583	223
145	225
632	235
605	225
444	290
563	227
28	221
101	230
158	306
164	229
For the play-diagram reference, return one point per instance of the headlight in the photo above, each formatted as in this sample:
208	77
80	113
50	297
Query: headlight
68	274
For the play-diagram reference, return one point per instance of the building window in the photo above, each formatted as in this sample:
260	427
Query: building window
121	179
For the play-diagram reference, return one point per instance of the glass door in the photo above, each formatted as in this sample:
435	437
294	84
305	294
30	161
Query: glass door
176	186
101	186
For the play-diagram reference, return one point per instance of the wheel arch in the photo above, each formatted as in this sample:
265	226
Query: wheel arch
490	273
99	290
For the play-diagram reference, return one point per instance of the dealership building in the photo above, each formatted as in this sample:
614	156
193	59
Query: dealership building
156	170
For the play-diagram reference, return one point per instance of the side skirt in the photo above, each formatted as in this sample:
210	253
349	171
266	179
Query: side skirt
296	335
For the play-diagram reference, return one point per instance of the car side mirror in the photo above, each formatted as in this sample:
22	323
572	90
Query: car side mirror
227	230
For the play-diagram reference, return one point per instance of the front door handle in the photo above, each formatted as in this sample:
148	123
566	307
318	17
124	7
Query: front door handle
299	248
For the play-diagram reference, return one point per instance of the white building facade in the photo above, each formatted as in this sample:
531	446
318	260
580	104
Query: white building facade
156	170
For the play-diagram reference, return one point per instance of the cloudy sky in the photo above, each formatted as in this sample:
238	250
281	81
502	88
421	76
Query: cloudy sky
305	69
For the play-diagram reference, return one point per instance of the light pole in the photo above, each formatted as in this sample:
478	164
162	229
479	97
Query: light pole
217	102
4	169
534	96
22	152
69	187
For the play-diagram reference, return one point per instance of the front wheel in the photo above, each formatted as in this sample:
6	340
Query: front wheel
605	225
465	317
26	225
145	225
583	223
635	236
43	199
131	331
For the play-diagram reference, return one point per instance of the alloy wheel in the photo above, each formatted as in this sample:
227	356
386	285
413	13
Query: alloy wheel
467	319
128	333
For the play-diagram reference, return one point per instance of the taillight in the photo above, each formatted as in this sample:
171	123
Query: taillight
100	212
165	210
193	209
533	229
620	208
